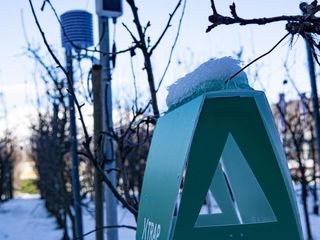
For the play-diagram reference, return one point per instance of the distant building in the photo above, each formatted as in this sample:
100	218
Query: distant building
296	115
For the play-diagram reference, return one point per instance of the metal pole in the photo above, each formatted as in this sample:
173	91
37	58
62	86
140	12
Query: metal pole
74	153
111	202
315	99
97	126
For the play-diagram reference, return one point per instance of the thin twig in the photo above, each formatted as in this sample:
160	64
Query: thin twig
166	28
50	72
131	34
65	33
134	84
312	22
213	7
173	46
71	42
147	59
290	79
263	55
106	227
86	144
25	35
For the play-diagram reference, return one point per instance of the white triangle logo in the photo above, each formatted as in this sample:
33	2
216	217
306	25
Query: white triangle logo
238	197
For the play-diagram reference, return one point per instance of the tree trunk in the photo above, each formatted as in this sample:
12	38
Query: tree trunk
97	123
314	174
304	194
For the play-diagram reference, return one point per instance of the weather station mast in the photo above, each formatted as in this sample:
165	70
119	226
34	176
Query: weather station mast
76	35
105	10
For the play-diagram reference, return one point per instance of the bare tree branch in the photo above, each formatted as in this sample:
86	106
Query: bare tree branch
147	61
71	42
216	19
87	141
106	227
213	7
134	84
263	55
131	34
307	25
50	72
166	28
173	46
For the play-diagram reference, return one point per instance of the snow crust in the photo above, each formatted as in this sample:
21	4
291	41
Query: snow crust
209	76
27	219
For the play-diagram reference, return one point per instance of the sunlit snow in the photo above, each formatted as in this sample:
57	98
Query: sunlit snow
209	76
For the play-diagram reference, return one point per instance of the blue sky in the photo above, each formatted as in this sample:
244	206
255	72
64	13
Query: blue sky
194	46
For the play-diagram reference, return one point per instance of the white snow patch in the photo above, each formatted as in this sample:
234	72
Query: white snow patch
27	219
209	76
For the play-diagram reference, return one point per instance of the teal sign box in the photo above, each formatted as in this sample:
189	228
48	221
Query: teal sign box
222	144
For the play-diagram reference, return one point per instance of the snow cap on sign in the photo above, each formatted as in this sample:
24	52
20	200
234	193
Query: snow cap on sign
209	76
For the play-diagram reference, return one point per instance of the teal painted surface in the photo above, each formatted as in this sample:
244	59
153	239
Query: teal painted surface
272	132
167	157
219	133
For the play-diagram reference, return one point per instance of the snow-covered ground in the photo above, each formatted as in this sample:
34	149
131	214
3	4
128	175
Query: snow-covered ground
314	220
26	219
